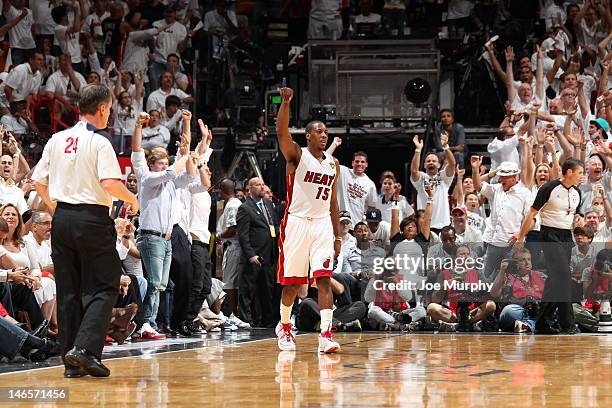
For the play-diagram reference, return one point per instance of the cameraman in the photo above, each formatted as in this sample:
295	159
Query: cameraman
446	303
518	284
597	279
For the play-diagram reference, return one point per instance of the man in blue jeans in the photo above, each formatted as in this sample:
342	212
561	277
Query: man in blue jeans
158	194
523	287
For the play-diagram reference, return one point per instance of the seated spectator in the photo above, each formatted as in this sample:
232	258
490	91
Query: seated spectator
521	286
157	99
67	35
380	231
325	22
25	254
466	233
597	279
16	341
119	207
391	199
173	65
347	312
66	82
171	117
18	120
602	230
9	192
445	307
25	79
366	15
455	136
388	307
359	259
583	256
155	135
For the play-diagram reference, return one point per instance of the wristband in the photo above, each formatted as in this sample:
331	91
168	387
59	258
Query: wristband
338	238
445	147
417	150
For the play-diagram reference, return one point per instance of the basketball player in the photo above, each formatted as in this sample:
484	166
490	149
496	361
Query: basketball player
307	230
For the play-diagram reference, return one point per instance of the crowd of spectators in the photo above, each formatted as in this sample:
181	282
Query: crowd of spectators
559	110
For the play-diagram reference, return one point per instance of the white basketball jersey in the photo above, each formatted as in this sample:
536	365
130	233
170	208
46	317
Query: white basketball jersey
309	188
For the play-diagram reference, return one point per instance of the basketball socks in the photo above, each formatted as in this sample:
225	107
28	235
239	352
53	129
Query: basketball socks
326	320
285	313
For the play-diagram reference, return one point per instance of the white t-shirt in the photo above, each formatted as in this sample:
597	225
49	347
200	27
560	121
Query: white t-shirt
440	215
74	162
16	125
11	194
405	209
69	43
213	21
503	150
382	234
58	83
21	35
136	55
43	22
371	18
93	27
43	251
458	9
124	118
228	219
23	81
355	194
157	99
158	136
168	40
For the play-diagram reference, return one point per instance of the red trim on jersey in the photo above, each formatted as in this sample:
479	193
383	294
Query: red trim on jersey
281	239
292	280
322	273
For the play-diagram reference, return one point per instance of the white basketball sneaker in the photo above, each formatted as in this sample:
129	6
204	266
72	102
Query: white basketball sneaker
327	344
286	339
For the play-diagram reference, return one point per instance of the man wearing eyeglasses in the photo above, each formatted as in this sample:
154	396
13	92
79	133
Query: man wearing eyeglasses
40	236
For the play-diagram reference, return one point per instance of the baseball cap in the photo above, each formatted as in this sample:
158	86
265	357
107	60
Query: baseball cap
462	209
345	216
508	168
373	215
601	124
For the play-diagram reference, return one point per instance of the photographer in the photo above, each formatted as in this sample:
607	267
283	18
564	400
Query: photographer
448	306
518	284
18	120
597	279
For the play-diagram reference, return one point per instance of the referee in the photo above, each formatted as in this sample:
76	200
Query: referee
77	177
557	202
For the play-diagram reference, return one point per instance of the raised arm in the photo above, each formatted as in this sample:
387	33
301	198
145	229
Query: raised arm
458	194
426	226
539	74
76	24
603	78
476	161
449	157
288	147
10	24
550	75
510	75
416	159
141	120
334	144
496	65
139	91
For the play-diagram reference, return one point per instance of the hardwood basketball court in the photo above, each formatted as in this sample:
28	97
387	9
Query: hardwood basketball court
373	370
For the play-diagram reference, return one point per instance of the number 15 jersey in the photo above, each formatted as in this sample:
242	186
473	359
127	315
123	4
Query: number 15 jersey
309	188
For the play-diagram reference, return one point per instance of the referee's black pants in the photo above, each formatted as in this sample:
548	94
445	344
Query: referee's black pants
557	246
181	273
87	274
202	277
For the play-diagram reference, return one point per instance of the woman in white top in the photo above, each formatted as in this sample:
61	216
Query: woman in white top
23	254
391	199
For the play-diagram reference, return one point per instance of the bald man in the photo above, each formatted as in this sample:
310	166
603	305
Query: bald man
257	229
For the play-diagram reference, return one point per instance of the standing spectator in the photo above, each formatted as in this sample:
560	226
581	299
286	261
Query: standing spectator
257	232
158	193
9	192
112	34
172	40
509	201
43	22
125	111
503	148
442	180
325	22
391	199
136	55
152	10
68	35
233	261
157	99
25	79
455	134
93	25
174	65
592	24
356	191
22	40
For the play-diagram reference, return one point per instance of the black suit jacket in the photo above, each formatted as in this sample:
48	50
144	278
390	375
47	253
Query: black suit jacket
254	232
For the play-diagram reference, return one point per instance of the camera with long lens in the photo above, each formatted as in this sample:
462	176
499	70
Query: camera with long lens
512	268
463	316
531	307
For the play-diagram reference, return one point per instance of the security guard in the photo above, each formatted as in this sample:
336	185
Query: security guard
77	177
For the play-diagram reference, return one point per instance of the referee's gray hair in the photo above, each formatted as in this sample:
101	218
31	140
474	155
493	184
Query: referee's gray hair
92	96
37	216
